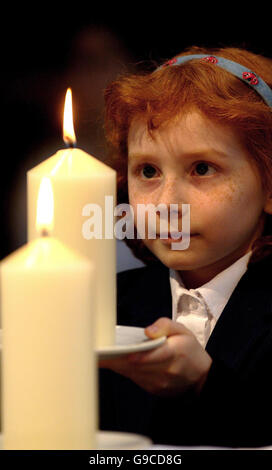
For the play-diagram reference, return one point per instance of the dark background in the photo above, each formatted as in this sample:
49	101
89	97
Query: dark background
46	48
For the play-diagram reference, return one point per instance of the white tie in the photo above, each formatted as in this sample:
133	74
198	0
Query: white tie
193	314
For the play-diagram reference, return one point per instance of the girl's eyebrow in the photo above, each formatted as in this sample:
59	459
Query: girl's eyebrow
207	153
137	156
199	154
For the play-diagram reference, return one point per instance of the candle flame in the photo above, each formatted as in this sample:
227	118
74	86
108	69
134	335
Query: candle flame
68	125
45	207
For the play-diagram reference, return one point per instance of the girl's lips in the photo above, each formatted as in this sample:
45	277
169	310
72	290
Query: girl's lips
173	240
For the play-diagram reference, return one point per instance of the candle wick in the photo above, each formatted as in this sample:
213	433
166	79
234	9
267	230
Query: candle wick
44	233
70	144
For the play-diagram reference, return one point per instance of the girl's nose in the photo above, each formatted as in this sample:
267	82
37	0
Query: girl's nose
172	192
172	196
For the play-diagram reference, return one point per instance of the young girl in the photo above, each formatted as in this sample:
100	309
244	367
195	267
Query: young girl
197	131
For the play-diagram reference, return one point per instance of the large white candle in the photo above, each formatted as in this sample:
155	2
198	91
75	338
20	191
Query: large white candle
79	179
49	365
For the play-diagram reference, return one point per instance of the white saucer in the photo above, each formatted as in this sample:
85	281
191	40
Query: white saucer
129	339
109	440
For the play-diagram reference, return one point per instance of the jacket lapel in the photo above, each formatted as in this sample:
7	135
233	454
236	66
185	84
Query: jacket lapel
144	296
246	318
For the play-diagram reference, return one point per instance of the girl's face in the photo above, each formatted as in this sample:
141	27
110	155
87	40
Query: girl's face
198	162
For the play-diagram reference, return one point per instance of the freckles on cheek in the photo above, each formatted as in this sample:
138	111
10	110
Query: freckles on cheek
131	192
220	205
231	193
230	205
217	200
241	191
138	195
134	196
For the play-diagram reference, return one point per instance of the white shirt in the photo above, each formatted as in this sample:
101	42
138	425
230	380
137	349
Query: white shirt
199	309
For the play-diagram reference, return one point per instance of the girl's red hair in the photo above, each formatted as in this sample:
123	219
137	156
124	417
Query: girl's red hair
163	95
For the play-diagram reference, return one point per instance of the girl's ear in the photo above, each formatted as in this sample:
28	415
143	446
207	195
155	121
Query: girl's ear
268	204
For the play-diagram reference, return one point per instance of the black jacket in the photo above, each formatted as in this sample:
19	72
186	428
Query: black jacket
235	405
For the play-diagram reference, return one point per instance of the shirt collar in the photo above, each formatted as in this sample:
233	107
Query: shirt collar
217	291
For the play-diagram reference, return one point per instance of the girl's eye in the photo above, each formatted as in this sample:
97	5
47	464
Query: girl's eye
149	171
204	169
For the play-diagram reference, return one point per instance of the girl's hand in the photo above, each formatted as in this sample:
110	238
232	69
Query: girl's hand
180	363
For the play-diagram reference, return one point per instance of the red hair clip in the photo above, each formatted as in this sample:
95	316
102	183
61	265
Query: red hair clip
170	62
250	77
211	59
